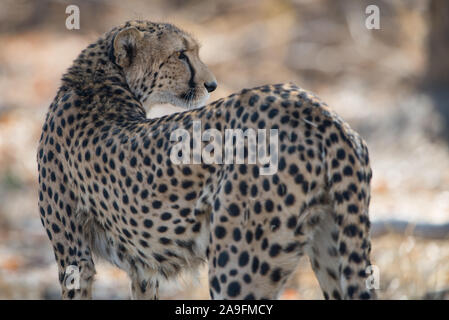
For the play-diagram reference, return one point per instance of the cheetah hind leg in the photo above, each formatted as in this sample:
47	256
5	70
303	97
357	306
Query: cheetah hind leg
323	253
238	268
339	257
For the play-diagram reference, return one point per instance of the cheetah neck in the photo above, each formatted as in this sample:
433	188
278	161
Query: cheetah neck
99	84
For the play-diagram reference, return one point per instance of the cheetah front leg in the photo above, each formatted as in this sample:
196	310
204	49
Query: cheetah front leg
77	280
143	288
72	252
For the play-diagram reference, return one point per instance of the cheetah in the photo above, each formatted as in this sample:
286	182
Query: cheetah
108	189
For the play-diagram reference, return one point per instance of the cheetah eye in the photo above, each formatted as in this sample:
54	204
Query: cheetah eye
181	55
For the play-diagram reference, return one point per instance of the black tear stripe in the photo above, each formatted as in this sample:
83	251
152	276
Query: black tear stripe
192	72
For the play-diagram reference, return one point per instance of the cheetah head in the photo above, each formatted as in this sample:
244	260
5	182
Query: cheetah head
161	64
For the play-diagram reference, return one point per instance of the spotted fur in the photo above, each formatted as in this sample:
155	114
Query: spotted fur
107	186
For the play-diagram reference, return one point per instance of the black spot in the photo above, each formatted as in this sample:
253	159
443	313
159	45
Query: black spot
253	190
190	196
228	187
352	208
127	233
253	99
256	172
275	249
143	243
342	248
187	184
157	204
55	228
162	188
254	117
350	230
354	256
259	231
180	230
276	275
274	224
215	284
264	268
341	154
185	212
347	271
282	164
243	259
257	207
336	177
71	294
293	169
255	265
351	291
365	296
234	289
269	206
290	200
347	171
273	113
336	295
159	258
266	185
166	216
144	194
243	188
291	222
220	232
223	259
186	171
249	236
60	248
234	210
196	227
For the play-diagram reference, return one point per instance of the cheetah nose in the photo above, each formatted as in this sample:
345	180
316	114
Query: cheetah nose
210	86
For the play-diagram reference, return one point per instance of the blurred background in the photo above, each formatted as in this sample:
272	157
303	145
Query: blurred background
390	84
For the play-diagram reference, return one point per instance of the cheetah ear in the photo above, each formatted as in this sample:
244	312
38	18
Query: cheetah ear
125	46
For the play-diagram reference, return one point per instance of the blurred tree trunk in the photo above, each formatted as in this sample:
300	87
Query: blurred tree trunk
438	45
436	79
